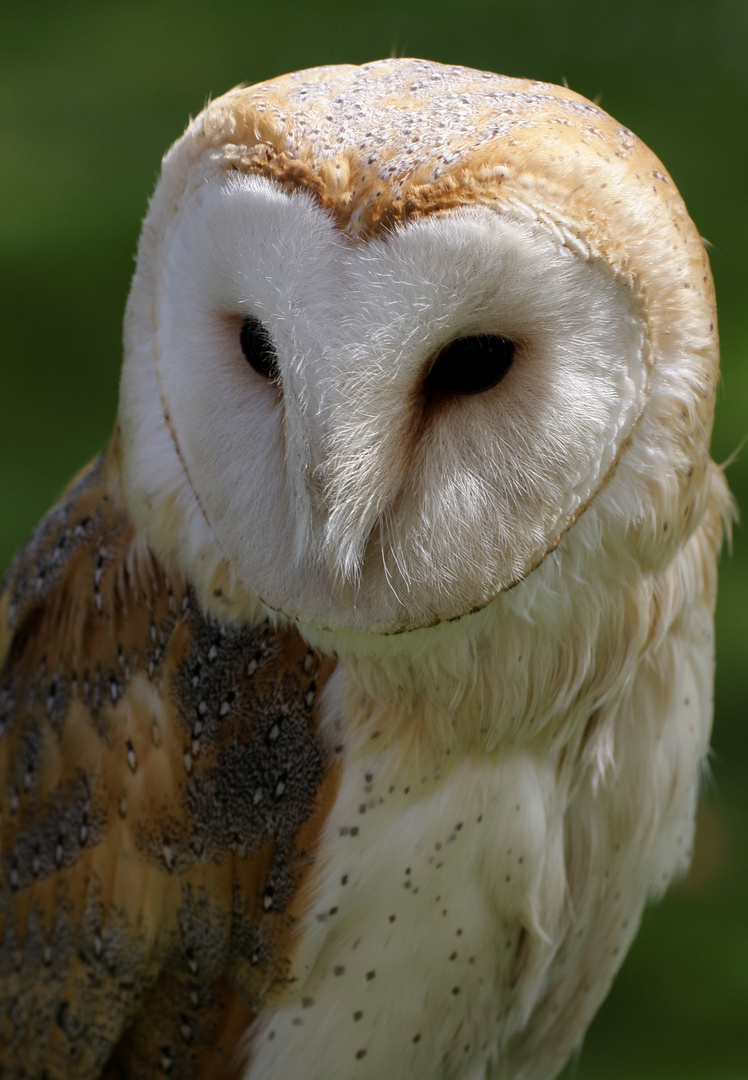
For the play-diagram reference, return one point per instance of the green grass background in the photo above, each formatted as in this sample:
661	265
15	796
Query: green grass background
92	93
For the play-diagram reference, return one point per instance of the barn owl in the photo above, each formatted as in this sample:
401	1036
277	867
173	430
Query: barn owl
353	703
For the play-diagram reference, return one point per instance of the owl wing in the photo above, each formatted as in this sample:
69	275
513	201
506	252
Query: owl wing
162	786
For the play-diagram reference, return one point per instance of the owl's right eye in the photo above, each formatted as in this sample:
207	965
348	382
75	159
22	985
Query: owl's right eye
258	349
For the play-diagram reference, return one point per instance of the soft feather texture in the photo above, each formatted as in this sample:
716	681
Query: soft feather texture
579	182
563	503
409	512
514	588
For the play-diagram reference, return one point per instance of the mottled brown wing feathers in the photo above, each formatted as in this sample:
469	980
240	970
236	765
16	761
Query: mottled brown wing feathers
162	788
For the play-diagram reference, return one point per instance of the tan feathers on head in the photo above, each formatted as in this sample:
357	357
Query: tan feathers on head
503	176
358	696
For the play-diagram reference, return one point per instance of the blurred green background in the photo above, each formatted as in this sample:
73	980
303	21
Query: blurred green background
92	93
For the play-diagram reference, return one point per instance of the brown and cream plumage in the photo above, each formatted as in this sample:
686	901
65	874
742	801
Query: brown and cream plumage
354	702
164	785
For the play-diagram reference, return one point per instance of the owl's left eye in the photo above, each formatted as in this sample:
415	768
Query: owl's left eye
258	349
470	365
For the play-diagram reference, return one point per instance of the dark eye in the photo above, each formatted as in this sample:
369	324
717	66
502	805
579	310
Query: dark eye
258	349
471	364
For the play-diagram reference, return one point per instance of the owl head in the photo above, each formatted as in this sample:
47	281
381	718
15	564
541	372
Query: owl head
399	335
